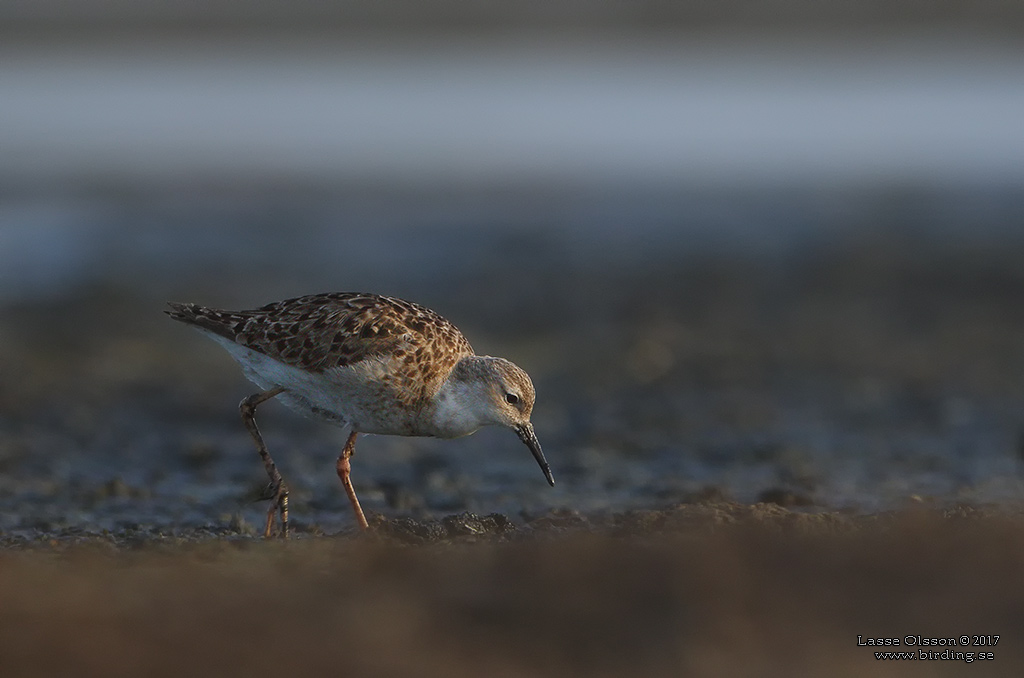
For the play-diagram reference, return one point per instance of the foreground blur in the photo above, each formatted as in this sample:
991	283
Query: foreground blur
701	591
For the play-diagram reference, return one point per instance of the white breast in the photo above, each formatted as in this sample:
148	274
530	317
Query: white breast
460	408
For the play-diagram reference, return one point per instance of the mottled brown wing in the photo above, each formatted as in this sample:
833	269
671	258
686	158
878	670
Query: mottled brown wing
323	331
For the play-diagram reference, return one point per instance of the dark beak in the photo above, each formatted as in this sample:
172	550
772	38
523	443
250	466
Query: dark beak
526	434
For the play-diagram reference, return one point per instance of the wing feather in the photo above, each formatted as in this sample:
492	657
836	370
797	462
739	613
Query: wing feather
325	331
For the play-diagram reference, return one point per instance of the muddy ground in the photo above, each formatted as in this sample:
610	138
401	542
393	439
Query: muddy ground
766	443
709	589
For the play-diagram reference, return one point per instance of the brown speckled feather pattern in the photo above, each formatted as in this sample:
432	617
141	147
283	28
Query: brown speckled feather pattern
319	332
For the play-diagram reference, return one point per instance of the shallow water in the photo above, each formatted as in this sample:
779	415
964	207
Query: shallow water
539	109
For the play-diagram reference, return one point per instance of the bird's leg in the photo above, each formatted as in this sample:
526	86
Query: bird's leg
277	490
344	470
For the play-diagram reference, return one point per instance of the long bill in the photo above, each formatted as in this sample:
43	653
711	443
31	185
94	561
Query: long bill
526	434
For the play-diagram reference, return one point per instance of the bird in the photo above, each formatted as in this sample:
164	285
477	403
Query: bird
370	364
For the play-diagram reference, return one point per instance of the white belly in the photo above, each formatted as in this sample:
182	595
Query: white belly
351	397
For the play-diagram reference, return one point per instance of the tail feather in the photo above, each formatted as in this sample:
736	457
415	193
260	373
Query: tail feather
218	322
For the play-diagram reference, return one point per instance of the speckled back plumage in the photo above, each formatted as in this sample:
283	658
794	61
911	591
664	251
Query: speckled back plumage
319	332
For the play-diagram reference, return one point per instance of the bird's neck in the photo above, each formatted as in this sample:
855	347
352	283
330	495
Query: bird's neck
456	409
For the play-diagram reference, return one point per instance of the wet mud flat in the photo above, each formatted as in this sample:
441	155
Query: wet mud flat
861	373
712	588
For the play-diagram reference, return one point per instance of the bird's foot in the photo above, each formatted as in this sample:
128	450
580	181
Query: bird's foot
277	493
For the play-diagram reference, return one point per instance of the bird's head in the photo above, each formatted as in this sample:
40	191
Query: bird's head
483	391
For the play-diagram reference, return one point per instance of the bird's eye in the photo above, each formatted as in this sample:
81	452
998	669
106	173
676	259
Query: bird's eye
511	399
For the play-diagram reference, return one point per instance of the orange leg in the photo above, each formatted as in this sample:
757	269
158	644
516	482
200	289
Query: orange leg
277	490
344	470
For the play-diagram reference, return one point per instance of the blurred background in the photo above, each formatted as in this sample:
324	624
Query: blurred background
762	251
